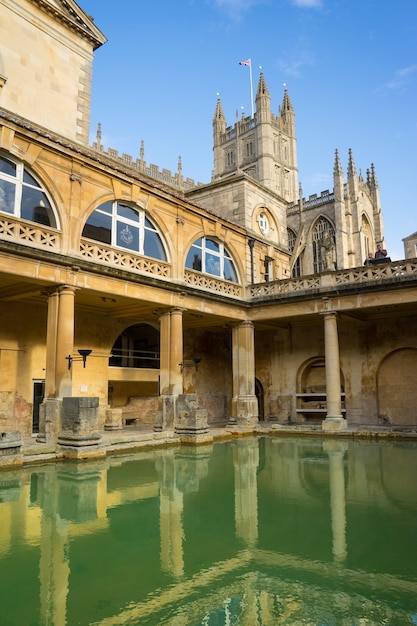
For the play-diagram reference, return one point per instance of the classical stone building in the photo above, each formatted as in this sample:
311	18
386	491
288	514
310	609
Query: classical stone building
133	295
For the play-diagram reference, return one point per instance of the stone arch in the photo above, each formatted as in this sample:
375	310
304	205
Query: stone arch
311	376
396	387
137	346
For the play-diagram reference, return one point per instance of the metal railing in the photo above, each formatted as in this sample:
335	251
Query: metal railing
144	359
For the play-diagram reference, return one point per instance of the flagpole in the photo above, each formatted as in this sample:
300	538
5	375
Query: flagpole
249	62
251	88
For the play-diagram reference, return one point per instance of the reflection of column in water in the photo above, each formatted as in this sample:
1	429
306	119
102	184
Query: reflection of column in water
171	505
180	473
246	461
53	571
172	533
336	452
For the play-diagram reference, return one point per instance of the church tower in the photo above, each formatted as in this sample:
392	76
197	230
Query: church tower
255	179
262	146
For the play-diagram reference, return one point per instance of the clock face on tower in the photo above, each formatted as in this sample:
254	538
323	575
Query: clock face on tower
263	223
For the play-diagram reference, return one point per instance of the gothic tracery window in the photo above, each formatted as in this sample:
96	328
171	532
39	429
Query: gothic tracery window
297	266
23	196
367	236
118	224
324	249
210	256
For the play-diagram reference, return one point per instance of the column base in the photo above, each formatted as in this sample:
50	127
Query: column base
334	424
244	412
11	449
78	453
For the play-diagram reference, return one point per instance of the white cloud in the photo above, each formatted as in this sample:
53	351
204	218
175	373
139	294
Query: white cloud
236	5
308	4
235	8
400	79
293	66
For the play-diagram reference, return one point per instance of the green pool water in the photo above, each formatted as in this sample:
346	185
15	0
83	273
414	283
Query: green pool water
255	531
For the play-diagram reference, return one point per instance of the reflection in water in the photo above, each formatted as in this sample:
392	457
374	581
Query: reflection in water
251	532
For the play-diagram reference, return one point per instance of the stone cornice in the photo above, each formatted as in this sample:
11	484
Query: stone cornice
68	13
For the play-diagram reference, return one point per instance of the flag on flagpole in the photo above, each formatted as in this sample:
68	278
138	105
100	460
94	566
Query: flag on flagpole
248	63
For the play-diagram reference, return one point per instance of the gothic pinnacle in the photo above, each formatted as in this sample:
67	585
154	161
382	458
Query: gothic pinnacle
351	165
337	168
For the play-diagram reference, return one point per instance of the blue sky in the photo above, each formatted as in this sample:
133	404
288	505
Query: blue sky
350	67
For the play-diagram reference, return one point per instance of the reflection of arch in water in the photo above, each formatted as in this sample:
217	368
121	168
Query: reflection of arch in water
259	392
399	460
396	388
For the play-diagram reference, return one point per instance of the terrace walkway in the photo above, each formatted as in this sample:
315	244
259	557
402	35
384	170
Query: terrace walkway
133	438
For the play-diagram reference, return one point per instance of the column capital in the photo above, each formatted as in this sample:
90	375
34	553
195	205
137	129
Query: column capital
243	324
67	289
331	313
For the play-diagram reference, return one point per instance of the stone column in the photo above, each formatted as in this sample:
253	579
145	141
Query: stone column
170	382
59	345
51	341
176	353
244	401
65	341
334	419
165	341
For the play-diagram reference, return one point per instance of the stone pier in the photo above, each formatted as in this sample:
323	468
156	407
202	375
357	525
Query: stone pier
79	437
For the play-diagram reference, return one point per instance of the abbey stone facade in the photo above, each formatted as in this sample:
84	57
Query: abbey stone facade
137	297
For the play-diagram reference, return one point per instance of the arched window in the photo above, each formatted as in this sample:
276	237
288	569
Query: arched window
211	257
22	196
297	265
324	249
367	236
119	224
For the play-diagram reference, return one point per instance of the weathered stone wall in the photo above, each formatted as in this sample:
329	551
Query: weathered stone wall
49	82
377	371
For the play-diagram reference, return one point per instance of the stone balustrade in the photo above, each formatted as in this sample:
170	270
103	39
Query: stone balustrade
213	284
20	231
101	253
383	273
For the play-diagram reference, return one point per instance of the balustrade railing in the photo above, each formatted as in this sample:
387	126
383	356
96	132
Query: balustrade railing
101	253
29	232
388	273
213	284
